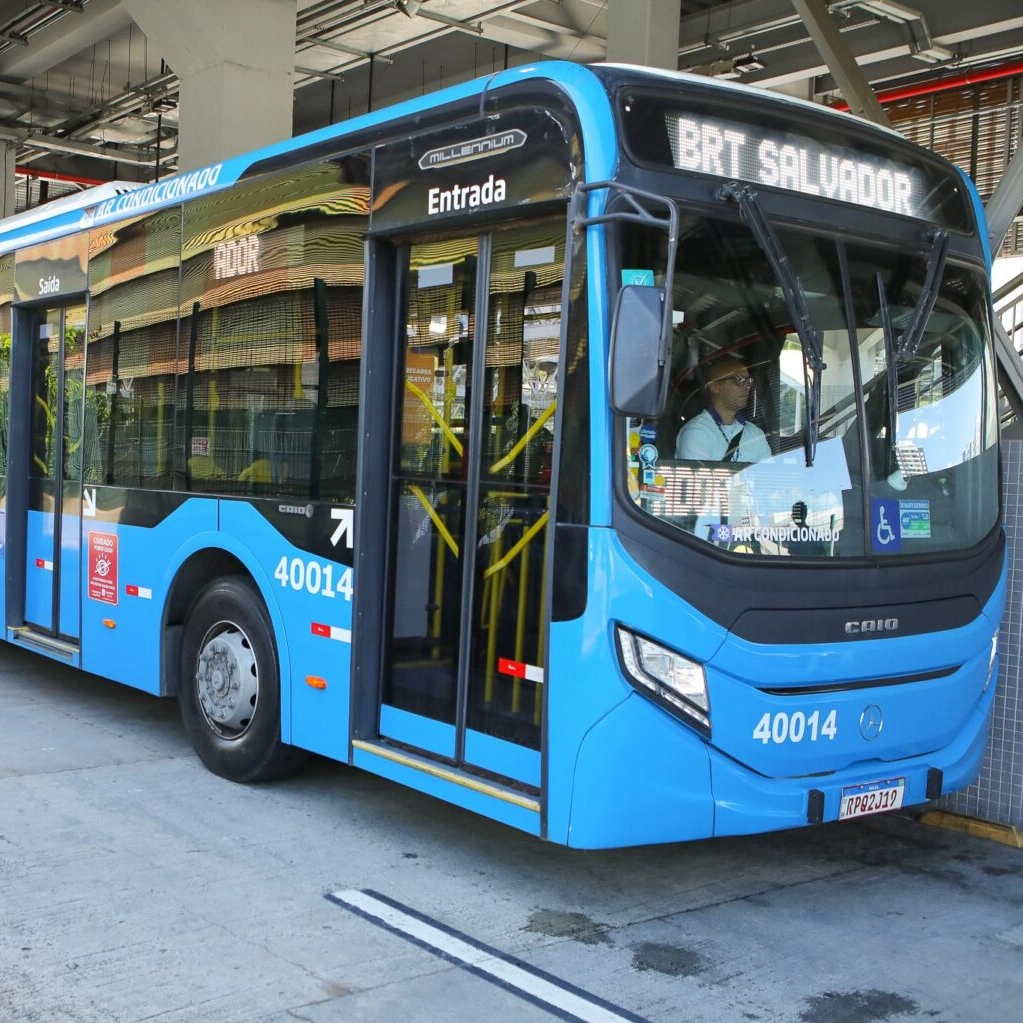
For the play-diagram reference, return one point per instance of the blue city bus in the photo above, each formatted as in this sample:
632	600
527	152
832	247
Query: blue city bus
376	444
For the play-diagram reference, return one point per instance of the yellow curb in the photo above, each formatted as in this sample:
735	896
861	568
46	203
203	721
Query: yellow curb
1004	833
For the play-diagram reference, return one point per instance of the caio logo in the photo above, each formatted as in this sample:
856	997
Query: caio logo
871	625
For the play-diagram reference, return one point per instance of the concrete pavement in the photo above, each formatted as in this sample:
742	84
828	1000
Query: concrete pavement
135	886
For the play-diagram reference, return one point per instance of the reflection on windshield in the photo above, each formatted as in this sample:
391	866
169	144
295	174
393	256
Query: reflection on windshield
939	417
905	460
939	436
739	507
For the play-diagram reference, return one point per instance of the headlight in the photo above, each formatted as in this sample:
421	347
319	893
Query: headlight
675	679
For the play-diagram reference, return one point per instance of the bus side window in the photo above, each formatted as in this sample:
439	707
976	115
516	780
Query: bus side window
130	386
271	309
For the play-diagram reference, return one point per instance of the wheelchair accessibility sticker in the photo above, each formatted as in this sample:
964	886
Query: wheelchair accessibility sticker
885	534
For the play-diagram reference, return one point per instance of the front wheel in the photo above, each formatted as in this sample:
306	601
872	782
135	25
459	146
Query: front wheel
230	693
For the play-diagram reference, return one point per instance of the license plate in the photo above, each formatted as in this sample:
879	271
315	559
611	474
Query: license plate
874	797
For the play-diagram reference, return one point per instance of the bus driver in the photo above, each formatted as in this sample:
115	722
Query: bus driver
720	433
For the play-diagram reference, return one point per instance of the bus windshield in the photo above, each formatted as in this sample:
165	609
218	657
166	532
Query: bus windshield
862	445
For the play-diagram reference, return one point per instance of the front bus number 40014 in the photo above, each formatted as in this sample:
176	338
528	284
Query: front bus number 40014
796	727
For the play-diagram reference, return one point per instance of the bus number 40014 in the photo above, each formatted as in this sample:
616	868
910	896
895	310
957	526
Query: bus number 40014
313	577
796	727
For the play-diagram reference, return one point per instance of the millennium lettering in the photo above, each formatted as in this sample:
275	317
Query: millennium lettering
474	149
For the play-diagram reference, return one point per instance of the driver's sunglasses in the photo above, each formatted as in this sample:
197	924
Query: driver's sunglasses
739	380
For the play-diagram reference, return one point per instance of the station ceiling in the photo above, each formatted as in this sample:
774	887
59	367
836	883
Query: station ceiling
86	97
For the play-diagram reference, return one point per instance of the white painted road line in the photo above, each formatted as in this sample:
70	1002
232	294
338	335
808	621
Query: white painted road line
540	988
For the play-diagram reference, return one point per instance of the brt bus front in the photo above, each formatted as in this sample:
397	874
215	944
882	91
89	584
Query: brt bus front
819	624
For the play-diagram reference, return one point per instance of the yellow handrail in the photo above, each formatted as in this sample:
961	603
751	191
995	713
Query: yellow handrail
492	600
435	518
493	585
528	535
524	439
437	417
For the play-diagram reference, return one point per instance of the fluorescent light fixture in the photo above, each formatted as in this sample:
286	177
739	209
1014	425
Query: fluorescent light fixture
888	9
934	53
749	63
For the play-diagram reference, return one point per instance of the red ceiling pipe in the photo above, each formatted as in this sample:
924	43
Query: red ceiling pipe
74	179
942	84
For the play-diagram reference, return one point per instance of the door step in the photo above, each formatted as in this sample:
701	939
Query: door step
448	774
25	635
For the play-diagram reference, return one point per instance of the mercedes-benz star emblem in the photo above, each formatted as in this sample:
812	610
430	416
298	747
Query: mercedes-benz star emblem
871	722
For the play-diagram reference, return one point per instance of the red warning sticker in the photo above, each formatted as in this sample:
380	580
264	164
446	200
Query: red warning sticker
103	567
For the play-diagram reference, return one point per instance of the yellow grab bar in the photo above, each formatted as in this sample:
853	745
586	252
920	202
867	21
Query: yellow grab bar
437	417
514	551
524	439
436	519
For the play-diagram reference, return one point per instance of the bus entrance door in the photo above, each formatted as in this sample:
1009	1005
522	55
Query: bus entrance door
470	483
52	599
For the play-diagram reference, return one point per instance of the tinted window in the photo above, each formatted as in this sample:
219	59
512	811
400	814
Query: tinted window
271	334
131	352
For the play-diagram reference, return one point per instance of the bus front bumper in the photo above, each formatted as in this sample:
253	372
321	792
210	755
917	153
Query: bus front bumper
747	803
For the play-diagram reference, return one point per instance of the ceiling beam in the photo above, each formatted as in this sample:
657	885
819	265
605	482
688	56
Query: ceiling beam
525	33
56	43
1005	203
848	74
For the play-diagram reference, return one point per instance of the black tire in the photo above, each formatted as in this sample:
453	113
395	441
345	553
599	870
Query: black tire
230	692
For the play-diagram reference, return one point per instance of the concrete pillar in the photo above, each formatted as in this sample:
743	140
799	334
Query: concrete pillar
8	193
235	60
644	32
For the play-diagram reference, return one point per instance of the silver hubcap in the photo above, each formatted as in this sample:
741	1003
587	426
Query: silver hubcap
227	680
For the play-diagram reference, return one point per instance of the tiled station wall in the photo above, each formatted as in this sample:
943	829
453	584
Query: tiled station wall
997	795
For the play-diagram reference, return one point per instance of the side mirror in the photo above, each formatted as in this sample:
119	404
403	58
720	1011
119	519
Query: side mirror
640	353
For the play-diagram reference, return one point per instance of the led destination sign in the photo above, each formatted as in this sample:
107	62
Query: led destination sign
798	163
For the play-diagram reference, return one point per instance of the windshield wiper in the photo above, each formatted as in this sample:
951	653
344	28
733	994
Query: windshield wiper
891	369
795	300
898	354
910	340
